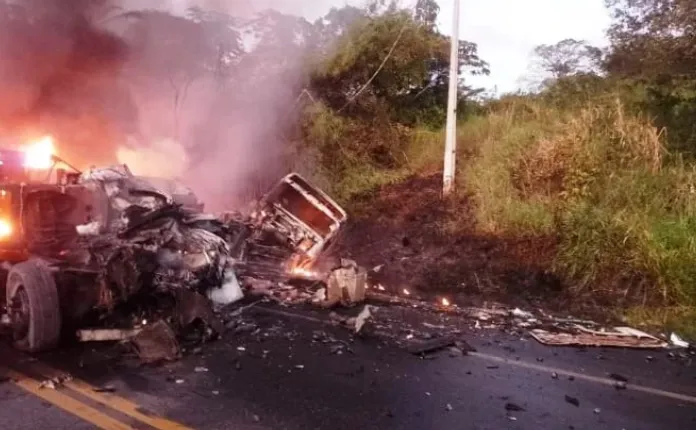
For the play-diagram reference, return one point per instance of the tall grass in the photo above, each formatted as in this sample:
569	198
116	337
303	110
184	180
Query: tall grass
355	156
596	178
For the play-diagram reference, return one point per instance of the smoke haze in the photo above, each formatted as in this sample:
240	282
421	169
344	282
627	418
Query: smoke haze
153	89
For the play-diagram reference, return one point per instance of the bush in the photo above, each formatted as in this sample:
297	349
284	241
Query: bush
356	156
597	178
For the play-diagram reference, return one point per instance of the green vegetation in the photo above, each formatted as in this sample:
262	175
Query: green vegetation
600	157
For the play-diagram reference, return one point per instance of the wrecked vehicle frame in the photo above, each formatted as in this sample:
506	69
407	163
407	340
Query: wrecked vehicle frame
85	242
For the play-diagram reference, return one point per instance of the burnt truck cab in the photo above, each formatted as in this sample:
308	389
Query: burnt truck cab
39	209
302	216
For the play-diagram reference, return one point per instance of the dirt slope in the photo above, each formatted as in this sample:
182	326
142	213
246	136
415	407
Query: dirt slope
402	227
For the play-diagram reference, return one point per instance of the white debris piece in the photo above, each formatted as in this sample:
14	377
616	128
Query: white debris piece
319	296
89	229
229	292
103	335
346	284
519	313
677	341
362	318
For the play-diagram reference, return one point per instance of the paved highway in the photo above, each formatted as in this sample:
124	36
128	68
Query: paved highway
291	371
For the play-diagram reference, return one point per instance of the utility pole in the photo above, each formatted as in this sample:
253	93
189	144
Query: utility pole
451	127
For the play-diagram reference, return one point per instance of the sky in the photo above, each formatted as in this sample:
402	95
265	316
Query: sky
506	31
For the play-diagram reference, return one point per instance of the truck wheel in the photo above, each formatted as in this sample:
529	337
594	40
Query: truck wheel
32	301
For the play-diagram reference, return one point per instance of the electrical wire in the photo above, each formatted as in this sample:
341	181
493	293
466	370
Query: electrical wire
379	69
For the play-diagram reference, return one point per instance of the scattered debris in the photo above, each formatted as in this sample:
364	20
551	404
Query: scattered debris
572	400
362	318
47	384
55	382
618	377
448	407
624	337
103	335
346	284
518	313
200	369
432	345
105	389
156	342
677	341
513	407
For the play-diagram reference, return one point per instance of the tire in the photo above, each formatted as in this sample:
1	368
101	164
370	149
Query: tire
32	295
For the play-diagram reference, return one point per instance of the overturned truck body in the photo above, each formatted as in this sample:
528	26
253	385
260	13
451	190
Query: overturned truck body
91	241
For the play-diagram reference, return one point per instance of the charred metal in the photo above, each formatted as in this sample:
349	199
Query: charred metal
107	247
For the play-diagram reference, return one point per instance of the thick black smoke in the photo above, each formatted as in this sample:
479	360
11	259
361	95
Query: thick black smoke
59	75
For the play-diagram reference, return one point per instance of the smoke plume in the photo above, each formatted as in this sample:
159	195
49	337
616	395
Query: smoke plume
59	75
149	84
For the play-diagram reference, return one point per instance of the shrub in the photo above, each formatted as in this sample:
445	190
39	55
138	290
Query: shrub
597	178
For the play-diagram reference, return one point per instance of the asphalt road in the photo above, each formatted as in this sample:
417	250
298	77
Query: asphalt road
283	372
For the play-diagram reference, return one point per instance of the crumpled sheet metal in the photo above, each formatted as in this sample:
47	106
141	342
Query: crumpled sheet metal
150	244
155	343
192	307
621	337
346	285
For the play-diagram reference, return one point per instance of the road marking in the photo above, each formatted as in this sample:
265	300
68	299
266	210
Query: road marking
109	400
595	379
65	402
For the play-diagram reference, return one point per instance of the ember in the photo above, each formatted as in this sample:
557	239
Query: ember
445	302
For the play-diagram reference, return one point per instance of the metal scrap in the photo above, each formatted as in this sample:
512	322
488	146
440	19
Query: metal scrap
624	337
346	284
423	347
102	335
156	342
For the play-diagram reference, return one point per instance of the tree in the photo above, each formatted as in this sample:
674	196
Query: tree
652	37
653	47
567	57
393	62
426	12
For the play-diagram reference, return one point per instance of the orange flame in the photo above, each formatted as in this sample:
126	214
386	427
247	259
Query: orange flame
39	154
445	302
302	272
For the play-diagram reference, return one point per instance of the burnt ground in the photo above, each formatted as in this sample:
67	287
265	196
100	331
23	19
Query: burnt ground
403	227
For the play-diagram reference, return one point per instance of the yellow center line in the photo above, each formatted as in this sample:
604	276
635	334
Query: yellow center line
110	400
65	402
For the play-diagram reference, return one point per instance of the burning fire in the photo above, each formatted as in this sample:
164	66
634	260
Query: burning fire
445	302
301	271
39	154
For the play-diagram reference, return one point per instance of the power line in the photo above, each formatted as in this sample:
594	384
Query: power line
379	69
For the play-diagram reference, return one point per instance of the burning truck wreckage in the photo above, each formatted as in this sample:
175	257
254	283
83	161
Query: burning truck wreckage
140	260
106	255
